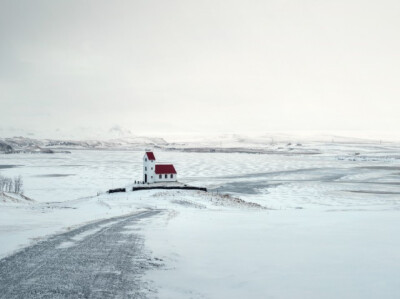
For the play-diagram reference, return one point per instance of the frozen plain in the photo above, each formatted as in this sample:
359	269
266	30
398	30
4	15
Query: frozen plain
331	229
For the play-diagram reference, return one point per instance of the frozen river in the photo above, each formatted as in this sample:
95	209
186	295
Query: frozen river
335	179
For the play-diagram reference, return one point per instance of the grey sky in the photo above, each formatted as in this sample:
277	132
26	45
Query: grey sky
199	66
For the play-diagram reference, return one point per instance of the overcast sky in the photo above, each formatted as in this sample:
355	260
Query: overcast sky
199	66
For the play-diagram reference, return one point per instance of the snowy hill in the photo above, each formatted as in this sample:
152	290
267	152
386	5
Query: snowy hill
268	143
29	145
6	197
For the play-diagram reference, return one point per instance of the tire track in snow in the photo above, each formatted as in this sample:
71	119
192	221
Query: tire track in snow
104	261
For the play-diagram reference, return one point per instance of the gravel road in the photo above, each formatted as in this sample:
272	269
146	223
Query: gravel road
105	259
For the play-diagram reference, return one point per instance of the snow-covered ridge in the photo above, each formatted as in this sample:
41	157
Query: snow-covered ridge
225	143
6	197
30	145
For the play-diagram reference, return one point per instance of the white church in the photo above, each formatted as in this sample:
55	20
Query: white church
156	173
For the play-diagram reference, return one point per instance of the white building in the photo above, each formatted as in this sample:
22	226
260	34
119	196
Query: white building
155	173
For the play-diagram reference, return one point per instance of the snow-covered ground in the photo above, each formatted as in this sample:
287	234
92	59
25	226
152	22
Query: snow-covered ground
280	254
331	228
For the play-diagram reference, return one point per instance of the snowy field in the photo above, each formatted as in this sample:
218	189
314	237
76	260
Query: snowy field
330	227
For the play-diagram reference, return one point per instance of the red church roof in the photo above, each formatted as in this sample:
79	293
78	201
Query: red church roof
150	155
165	169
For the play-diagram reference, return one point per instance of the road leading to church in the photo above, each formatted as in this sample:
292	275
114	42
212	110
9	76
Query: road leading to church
105	259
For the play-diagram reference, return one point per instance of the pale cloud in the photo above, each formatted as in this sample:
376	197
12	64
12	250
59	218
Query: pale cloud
199	66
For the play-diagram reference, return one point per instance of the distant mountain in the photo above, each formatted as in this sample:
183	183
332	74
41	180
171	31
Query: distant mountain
227	143
118	132
29	145
25	145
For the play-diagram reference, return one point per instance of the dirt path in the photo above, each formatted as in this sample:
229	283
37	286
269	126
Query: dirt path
105	259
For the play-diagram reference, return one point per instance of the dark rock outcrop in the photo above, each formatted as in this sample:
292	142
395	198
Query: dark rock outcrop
5	148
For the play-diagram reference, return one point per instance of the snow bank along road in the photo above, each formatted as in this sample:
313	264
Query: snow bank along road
104	259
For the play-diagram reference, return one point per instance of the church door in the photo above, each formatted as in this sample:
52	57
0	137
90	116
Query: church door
145	178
